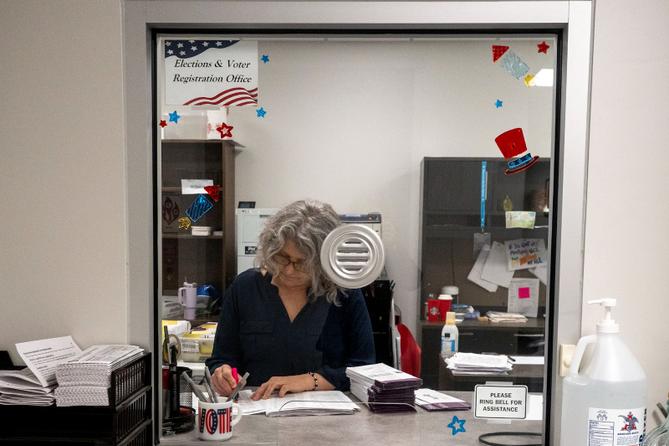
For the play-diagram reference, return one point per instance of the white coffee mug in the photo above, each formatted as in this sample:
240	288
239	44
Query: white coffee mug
215	420
188	295
214	120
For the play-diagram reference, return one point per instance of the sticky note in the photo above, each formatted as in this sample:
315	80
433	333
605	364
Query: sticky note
523	293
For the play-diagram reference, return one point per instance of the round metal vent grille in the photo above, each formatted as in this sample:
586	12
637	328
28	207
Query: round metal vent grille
352	256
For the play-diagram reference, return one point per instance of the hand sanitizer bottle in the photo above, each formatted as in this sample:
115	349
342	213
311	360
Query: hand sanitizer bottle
604	401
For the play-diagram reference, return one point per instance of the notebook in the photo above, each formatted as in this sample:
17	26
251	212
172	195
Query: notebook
329	402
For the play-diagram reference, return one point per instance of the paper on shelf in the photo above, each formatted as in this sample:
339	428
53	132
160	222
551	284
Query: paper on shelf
520	219
195	187
523	297
22	379
44	355
22	387
535	407
478	364
495	268
525	253
527	360
478	361
93	367
477	269
541	272
499	316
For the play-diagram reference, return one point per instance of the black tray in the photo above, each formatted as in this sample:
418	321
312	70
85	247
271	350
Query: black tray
117	424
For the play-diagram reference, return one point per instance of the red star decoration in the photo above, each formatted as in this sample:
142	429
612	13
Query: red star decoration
543	47
225	130
214	192
163	123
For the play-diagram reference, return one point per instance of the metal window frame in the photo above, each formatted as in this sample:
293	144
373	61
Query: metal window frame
141	19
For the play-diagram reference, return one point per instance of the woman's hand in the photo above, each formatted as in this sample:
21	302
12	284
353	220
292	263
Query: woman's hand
284	385
224	383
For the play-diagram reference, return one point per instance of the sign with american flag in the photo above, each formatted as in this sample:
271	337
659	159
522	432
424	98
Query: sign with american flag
221	73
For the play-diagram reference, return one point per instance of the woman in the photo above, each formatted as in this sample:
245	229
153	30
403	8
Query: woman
286	323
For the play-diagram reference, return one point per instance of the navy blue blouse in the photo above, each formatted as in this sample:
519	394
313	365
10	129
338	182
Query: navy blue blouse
255	333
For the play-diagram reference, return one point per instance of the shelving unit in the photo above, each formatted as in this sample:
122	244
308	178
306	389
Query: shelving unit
204	259
450	216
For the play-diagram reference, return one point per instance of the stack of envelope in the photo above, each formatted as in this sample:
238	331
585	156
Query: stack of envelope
384	388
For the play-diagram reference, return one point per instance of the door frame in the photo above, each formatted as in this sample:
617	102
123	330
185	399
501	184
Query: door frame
573	18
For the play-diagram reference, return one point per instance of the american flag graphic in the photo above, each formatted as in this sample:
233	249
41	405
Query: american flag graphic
185	49
215	421
225	420
236	96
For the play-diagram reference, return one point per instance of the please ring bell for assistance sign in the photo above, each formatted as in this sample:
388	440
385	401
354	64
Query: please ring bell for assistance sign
500	402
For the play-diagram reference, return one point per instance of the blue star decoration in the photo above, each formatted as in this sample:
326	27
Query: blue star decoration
265	58
260	113
460	428
499	103
174	117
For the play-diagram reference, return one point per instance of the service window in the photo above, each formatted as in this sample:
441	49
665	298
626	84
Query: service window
443	145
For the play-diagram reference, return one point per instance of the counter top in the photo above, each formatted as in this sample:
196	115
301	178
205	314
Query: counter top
406	428
532	323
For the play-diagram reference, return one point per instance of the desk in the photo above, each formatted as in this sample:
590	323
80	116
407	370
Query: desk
419	428
509	338
531	376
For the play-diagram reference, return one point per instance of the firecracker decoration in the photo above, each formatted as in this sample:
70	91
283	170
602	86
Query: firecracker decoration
214	192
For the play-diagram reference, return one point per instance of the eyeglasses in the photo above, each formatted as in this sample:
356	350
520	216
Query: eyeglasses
284	261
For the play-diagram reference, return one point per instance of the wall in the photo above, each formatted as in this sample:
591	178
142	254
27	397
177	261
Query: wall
62	181
63	262
626	233
349	123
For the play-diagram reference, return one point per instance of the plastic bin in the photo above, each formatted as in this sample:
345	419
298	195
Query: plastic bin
120	423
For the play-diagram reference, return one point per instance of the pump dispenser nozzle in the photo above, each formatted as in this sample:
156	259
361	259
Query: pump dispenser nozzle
606	325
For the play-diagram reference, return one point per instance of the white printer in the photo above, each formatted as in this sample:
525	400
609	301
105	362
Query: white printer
250	223
373	220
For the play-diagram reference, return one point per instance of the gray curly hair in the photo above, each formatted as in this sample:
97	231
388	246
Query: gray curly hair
306	223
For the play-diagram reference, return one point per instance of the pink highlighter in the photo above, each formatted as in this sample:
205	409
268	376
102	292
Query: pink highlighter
235	375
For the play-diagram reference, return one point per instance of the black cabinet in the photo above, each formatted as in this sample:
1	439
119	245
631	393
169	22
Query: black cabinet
451	192
480	337
203	258
450	216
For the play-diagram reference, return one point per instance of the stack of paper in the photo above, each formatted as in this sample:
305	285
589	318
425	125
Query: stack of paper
384	388
35	384
299	404
498	316
429	399
476	364
23	387
84	379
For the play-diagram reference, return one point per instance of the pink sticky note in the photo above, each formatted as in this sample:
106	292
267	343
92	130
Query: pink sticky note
523	293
